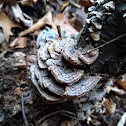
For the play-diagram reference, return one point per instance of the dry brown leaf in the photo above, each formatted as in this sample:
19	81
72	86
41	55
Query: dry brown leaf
110	106
41	22
31	59
19	15
27	3
62	20
122	82
19	42
18	91
116	90
19	58
87	3
7	24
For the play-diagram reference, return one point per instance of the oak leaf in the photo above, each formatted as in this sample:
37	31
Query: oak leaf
122	83
62	20
7	24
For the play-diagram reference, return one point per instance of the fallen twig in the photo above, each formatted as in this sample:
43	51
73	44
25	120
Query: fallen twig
53	113
59	31
46	116
111	41
69	114
23	112
41	22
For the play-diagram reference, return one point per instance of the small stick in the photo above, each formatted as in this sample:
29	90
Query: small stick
113	40
53	113
46	116
23	112
69	114
59	31
75	4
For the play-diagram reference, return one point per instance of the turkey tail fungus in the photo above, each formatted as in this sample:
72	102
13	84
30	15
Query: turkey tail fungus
73	71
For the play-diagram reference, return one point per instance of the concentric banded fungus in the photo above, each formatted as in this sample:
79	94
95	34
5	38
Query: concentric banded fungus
52	53
59	57
70	53
89	58
53	74
40	74
48	34
66	76
53	62
59	45
45	94
43	52
53	86
82	86
43	36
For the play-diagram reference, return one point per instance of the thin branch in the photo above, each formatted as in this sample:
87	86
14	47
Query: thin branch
23	111
59	31
46	116
111	41
54	113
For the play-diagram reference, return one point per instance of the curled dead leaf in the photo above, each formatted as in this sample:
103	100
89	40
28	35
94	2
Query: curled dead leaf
19	15
7	24
116	90
19	42
87	3
41	22
62	20
122	82
30	59
19	58
110	106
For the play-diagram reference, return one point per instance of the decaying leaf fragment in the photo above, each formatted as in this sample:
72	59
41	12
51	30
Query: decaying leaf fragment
41	22
7	24
19	58
62	20
110	106
27	3
2	37
122	82
19	42
21	16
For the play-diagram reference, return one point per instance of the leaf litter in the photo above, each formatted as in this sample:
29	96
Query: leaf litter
23	56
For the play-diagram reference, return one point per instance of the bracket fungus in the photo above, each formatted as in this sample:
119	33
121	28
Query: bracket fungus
70	53
72	64
65	59
57	71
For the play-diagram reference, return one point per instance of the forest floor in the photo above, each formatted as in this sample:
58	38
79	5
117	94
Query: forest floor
17	93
